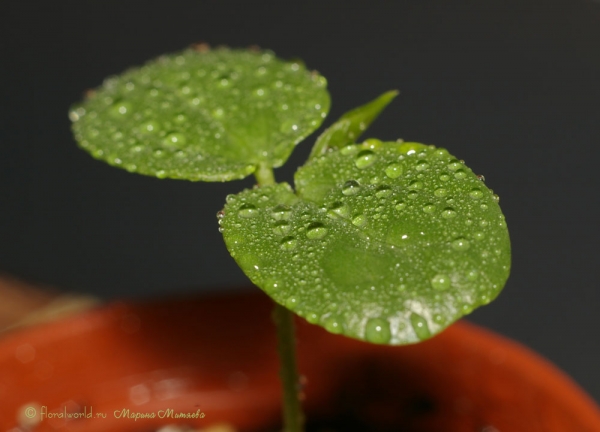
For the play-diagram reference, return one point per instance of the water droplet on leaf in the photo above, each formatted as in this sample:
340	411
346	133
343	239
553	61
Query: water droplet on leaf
440	192
419	325
393	170
460	174
440	282
174	140
461	244
281	228
248	211
449	213
281	213
351	187
476	193
365	159
383	191
289	243
339	209
316	231
377	330
359	220
333	325
429	208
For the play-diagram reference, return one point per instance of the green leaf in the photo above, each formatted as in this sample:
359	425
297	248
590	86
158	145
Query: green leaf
351	125
202	115
396	242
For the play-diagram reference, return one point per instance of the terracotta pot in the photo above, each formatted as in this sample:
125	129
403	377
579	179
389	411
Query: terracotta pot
216	356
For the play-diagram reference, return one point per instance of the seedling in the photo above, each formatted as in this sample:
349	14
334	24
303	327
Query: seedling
386	242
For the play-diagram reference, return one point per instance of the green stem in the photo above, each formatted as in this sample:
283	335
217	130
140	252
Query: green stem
293	418
264	175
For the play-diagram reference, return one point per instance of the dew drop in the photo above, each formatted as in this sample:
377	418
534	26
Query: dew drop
440	192
291	303
289	243
419	325
365	159
333	325
359	220
349	149
476	193
120	108
454	165
467	309
422	165
316	231
461	244
339	209
413	195
393	170
479	235
247	211
97	153
400	206
383	191
312	318
444	177
281	228
429	208
281	213
460	174
441	152
149	127
377	330
440	282
351	187
448	213
472	275
415	185
174	140
271	285
373	143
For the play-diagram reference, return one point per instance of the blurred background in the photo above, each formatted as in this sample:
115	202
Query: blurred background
512	87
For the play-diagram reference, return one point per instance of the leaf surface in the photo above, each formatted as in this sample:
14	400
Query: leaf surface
384	242
202	115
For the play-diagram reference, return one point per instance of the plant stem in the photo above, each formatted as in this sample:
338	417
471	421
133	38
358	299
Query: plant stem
264	175
293	418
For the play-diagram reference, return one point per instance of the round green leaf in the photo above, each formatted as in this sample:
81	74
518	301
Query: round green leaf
383	242
202	115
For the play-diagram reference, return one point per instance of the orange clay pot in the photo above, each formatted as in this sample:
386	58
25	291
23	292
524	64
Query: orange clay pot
215	358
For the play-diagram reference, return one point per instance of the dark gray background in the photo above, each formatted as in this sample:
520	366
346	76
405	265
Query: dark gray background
512	87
